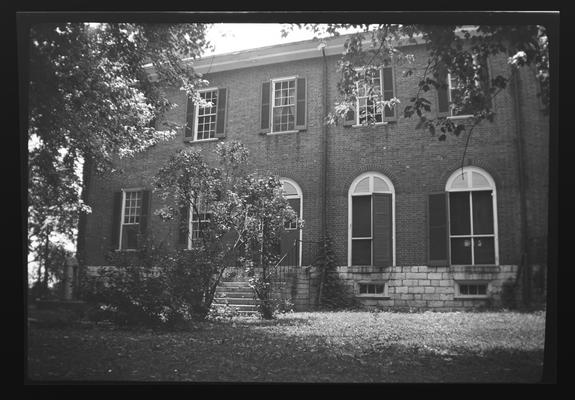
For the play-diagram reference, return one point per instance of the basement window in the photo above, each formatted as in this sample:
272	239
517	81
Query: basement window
371	289
475	289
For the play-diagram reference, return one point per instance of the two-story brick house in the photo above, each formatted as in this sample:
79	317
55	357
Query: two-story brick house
410	227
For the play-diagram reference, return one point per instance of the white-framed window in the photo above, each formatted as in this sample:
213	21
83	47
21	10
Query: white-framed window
374	86
132	203
473	237
293	194
471	289
371	216
283	104
205	121
198	223
371	289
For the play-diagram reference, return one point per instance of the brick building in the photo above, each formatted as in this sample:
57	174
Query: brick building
411	229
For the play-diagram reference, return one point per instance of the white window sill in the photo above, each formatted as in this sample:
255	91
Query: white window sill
367	126
471	297
373	296
190	140
282	132
458	117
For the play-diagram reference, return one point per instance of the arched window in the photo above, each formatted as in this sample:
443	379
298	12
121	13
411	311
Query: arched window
293	194
472	217
371	230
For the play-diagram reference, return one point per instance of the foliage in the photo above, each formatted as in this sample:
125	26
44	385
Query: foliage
461	50
153	287
247	211
333	293
92	99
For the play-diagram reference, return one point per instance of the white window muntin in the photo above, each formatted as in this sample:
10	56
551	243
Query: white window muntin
471	175
287	95
131	215
207	121
298	195
369	192
194	224
363	97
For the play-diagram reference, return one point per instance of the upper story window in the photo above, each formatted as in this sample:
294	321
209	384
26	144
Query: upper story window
283	105
371	221
472	217
283	109
206	121
373	88
453	99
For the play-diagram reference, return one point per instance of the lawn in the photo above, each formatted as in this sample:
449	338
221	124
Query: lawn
334	347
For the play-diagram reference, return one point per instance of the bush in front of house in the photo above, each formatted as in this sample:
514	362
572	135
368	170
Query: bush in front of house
153	287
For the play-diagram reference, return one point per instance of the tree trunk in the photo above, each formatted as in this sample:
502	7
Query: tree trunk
82	217
46	263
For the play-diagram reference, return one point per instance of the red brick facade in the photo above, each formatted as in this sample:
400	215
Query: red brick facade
416	163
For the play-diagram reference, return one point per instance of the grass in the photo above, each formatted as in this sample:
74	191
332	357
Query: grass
334	347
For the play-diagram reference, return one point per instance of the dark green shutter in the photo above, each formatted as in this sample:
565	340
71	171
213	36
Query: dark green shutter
145	211
221	113
437	232
116	220
301	109
388	92
382	229
265	110
190	120
184	227
443	92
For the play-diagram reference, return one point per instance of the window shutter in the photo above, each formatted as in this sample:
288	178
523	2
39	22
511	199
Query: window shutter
116	220
145	211
437	233
382	229
349	118
190	119
265	111
443	92
184	226
221	113
388	92
301	106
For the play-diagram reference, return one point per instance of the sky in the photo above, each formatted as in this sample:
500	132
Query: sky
230	37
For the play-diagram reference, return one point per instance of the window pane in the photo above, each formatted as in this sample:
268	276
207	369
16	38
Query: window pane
481	289
361	216
463	289
459	213
362	186
379	185
362	289
482	212
461	251
484	250
361	252
378	289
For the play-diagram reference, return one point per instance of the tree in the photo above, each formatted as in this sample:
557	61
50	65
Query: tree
459	50
92	99
240	216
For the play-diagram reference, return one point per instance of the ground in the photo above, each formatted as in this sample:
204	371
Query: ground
378	347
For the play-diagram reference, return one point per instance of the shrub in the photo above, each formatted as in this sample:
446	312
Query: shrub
154	287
